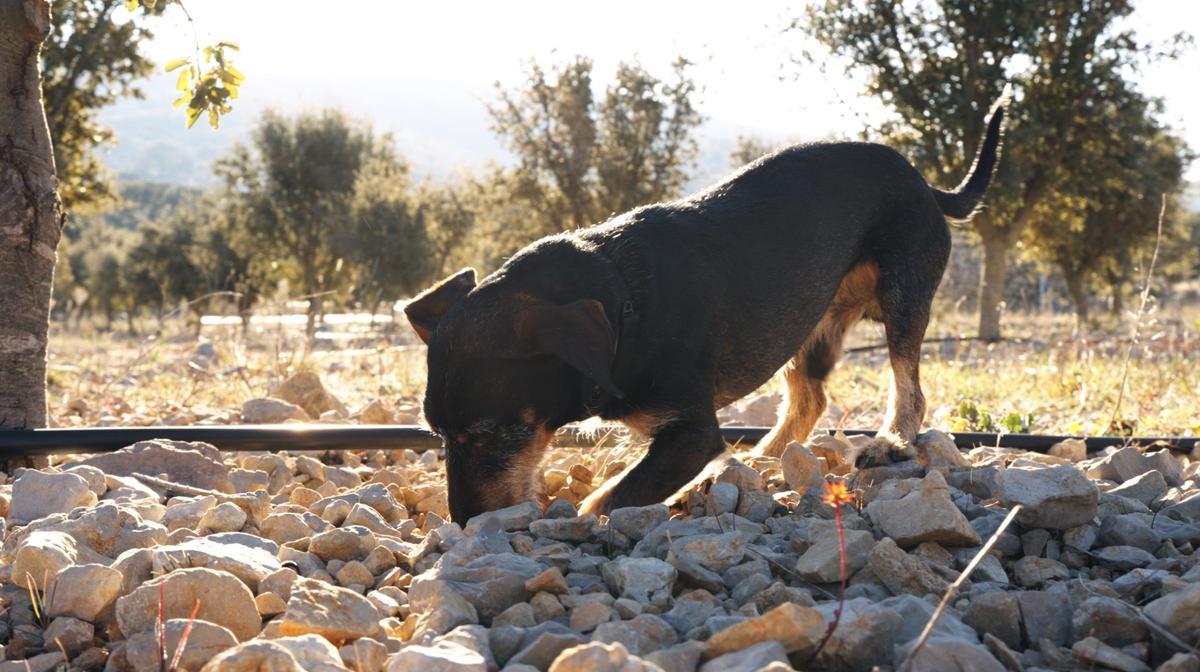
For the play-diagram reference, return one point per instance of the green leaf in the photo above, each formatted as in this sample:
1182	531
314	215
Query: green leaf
177	63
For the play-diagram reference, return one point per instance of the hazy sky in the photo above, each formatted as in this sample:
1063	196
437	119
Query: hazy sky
741	52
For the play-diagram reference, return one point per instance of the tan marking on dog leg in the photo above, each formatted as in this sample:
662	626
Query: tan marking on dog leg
648	422
804	397
597	502
906	403
802	406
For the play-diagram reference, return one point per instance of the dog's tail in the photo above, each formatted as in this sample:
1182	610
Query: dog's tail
962	203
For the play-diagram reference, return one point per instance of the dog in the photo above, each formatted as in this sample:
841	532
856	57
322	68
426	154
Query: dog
662	315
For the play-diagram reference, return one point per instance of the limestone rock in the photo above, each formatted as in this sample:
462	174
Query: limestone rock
600	657
902	573
822	562
223	599
865	637
247	557
639	578
226	517
763	656
717	552
937	449
344	543
37	494
801	468
337	614
1179	612
1095	652
1110	620
269	411
635	521
306	391
944	653
925	514
1056	498
259	655
189	463
797	628
71	634
205	641
41	557
84	591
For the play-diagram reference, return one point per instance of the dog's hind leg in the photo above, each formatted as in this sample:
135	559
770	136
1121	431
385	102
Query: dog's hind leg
804	402
906	290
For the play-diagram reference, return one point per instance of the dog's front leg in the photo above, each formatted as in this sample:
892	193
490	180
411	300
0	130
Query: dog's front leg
678	453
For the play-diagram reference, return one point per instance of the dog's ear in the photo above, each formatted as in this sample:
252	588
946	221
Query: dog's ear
428	307
577	333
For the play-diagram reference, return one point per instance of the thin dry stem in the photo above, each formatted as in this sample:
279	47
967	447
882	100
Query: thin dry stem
1141	312
953	589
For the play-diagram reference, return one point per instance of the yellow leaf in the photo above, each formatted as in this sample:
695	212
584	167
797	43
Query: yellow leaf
185	80
214	119
131	5
193	113
177	63
232	75
229	45
182	100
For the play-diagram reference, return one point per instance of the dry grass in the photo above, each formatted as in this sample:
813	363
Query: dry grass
1061	383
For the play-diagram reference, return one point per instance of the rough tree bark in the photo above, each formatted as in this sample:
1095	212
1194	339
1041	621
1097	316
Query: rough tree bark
991	281
31	215
1079	296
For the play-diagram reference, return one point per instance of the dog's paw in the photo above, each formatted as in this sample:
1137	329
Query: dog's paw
883	449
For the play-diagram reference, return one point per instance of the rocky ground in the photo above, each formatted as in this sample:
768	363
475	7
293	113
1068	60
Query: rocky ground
298	562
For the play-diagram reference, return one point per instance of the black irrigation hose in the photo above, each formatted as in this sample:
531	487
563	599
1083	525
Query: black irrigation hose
243	438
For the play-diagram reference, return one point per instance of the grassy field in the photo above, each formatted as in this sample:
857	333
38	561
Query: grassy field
1045	381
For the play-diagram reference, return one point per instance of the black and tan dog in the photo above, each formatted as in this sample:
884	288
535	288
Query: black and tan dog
664	314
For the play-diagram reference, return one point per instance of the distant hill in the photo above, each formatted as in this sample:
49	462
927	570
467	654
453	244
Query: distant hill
441	127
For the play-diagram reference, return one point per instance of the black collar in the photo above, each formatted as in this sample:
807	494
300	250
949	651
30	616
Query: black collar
625	332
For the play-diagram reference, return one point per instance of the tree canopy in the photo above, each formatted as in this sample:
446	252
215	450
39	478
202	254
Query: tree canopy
582	159
937	65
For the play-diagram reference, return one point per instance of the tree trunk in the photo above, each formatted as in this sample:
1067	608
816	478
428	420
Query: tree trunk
991	281
31	216
1116	305
1079	297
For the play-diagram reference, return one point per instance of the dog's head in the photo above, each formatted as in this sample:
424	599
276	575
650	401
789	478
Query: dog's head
506	369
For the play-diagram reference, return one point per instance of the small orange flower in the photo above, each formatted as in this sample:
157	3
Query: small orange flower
837	494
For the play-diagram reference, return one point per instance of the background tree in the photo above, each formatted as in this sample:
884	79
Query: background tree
297	182
90	61
1104	211
579	160
31	215
31	210
937	64
385	240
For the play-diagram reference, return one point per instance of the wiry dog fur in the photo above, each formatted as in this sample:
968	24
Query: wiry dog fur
665	314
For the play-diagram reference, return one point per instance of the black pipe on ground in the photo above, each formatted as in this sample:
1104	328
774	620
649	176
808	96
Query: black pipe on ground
243	438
